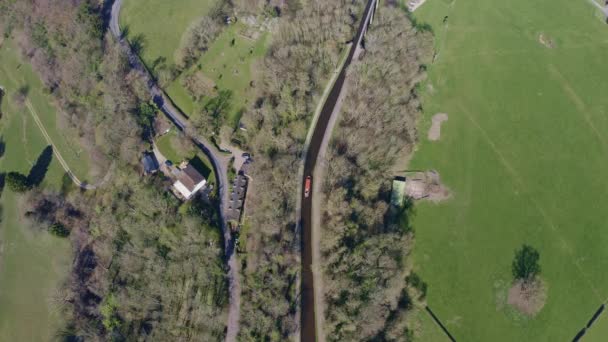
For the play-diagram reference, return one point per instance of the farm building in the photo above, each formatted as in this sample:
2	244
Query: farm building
189	182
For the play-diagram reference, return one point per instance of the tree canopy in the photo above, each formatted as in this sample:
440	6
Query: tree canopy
525	264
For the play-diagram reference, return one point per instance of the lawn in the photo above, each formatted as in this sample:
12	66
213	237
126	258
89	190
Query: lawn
229	63
524	153
161	23
33	263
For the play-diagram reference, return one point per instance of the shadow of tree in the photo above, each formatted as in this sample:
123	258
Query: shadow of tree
138	43
20	95
40	168
2	146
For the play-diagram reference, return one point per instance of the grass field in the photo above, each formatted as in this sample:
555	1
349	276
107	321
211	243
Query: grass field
161	23
598	331
32	263
229	66
525	154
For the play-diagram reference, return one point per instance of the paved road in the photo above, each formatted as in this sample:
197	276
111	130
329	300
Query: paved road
219	160
307	328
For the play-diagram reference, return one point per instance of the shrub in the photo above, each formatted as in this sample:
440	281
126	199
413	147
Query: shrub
17	182
59	230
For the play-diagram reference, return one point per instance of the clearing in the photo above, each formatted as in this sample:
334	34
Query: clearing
33	263
161	24
229	65
524	158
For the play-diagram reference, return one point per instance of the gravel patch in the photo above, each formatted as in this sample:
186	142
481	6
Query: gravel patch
435	130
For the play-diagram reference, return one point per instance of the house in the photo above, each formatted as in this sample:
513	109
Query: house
149	163
189	182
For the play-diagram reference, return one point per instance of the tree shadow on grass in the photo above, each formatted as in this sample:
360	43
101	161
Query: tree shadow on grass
138	43
39	170
2	146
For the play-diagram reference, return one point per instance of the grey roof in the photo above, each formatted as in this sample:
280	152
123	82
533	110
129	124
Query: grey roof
150	163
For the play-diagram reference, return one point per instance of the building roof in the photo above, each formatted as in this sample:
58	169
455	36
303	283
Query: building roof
190	177
150	163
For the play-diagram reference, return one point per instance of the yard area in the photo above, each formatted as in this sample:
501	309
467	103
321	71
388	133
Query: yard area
171	146
524	154
33	263
161	23
229	64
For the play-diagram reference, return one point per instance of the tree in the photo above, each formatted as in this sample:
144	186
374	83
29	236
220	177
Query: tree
59	230
525	264
17	182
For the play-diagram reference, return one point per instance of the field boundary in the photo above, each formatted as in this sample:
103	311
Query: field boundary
595	316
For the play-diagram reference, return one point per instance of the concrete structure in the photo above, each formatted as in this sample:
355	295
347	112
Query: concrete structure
189	182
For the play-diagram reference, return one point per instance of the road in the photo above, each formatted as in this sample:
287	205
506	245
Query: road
308	331
219	160
604	9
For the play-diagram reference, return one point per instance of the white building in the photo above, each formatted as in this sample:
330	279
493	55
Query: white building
189	182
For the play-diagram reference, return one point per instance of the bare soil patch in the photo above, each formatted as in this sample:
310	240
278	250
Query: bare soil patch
528	297
426	185
435	130
546	41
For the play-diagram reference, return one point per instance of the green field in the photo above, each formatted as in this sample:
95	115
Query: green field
525	155
229	66
598	331
15	74
161	23
32	263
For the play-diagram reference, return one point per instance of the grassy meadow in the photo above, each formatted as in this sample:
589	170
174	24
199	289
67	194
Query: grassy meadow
32	262
525	154
161	23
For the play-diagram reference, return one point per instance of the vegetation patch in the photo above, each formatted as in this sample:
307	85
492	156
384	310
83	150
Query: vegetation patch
369	292
33	263
227	65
